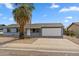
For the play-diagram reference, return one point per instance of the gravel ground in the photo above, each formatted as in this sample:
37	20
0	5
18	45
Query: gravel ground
73	39
4	40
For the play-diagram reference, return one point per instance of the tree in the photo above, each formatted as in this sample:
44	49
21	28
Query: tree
22	15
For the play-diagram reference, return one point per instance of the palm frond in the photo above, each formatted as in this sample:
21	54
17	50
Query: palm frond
23	13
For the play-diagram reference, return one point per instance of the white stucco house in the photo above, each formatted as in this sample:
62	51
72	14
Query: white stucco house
36	30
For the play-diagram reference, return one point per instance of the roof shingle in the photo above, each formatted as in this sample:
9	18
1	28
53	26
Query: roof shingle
38	25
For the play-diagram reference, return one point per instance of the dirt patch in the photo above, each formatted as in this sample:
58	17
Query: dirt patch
73	39
4	40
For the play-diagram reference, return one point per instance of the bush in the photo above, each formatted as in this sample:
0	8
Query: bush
72	34
69	33
77	33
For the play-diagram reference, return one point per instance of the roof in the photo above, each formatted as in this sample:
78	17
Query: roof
1	26
38	25
12	25
75	23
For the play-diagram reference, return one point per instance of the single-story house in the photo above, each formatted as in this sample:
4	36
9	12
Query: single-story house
36	30
74	27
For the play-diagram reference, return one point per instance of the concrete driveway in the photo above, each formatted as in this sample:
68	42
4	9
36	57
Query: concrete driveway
45	44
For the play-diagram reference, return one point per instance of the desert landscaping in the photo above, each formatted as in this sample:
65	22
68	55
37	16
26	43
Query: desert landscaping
38	46
52	31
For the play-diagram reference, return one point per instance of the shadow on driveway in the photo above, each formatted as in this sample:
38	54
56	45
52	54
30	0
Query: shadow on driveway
25	41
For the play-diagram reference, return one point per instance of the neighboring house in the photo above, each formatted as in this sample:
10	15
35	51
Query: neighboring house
36	30
74	27
1	28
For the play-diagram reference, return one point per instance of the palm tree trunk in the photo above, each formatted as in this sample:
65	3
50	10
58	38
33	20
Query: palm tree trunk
21	32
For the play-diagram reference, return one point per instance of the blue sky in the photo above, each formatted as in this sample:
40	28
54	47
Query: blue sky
64	13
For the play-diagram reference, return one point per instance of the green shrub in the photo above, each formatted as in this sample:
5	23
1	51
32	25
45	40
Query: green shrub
72	33
66	32
69	33
77	33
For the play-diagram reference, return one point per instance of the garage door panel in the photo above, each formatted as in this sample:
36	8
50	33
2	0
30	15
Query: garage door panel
51	31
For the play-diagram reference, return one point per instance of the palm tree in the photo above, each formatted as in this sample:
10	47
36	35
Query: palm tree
22	15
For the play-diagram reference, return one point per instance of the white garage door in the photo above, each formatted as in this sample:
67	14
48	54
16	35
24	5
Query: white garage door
51	31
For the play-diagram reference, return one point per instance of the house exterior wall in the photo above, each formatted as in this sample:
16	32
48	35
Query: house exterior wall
75	29
5	30
11	33
28	33
13	30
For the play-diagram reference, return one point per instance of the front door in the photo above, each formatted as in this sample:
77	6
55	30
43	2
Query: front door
35	32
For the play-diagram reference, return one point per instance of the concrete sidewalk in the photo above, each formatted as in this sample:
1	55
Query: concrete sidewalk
12	52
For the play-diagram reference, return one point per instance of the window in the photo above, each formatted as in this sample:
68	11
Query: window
8	29
35	30
1	29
